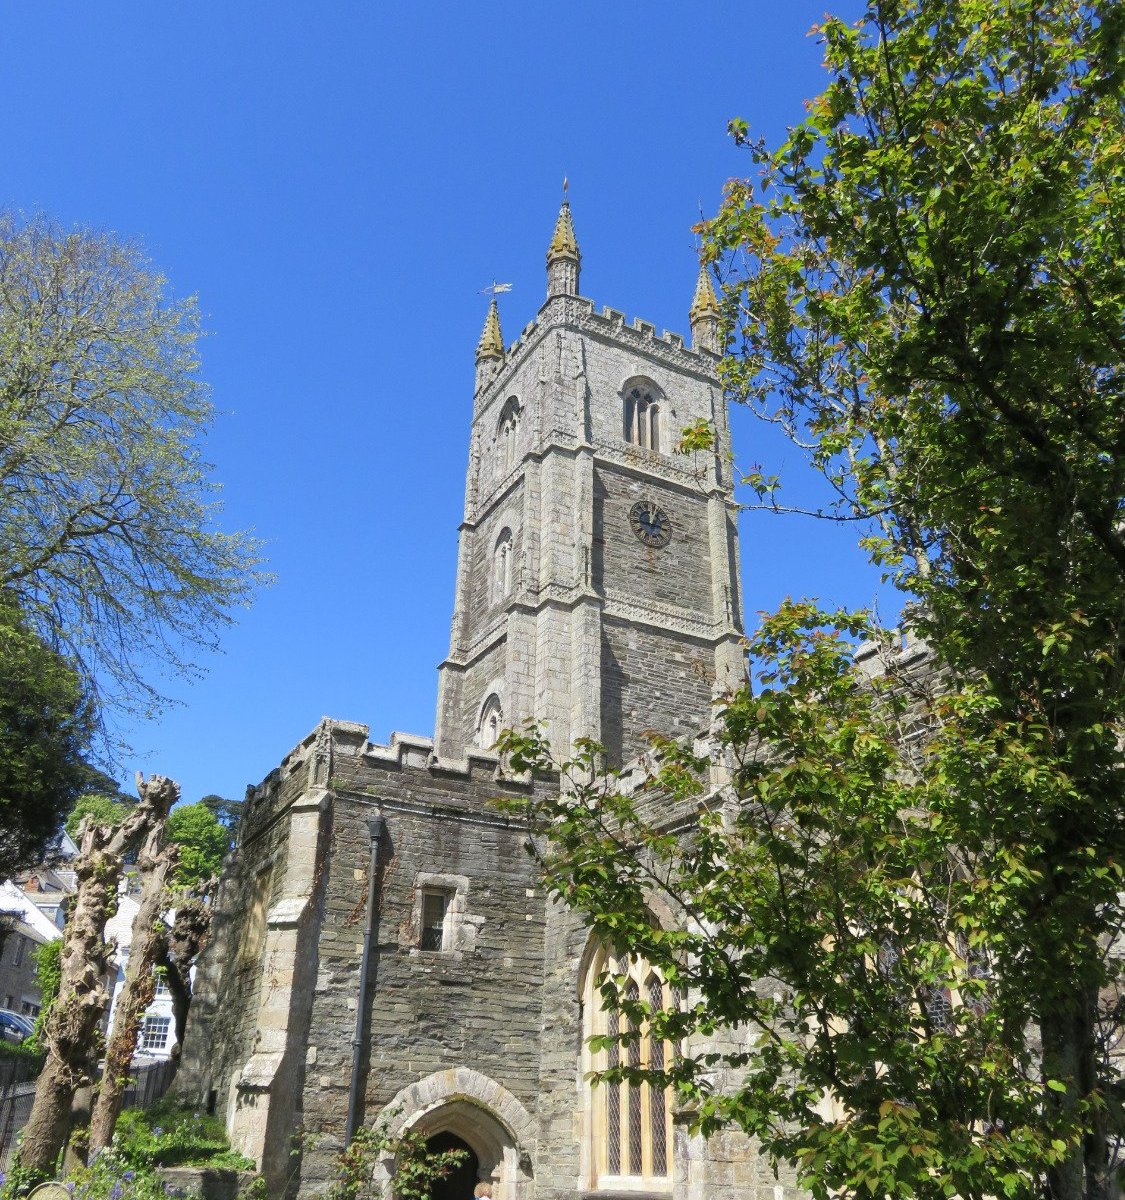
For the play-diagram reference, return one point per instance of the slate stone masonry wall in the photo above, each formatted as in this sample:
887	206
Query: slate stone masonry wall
222	1029
674	699
475	1004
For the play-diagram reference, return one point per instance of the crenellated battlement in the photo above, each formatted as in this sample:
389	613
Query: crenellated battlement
581	313
607	321
333	740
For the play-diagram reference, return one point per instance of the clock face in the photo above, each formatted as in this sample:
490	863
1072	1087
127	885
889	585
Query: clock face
650	523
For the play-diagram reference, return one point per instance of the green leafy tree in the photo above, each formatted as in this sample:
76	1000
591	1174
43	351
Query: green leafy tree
228	812
911	891
106	810
46	724
107	538
203	843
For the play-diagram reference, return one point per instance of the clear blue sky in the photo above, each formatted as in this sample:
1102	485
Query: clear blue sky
336	182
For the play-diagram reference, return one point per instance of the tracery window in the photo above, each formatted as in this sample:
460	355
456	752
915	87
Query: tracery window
642	417
506	434
502	566
629	1125
491	722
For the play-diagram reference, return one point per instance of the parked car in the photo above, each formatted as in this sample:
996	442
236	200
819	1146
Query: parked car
14	1027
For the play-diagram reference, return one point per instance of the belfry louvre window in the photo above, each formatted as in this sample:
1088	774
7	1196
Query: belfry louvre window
629	1125
435	906
642	419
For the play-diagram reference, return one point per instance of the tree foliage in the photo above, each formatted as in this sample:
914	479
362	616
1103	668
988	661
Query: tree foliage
107	537
105	810
48	978
203	843
417	1167
865	897
227	812
45	728
910	891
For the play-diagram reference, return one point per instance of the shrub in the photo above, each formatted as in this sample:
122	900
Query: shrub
169	1136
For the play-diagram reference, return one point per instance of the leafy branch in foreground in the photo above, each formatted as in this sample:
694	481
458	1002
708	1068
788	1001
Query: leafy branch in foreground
869	900
924	287
416	1167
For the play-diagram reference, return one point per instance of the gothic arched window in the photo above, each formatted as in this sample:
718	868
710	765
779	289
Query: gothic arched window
629	1125
491	722
642	416
502	566
506	433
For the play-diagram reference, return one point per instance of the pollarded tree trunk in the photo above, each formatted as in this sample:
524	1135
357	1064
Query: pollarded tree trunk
155	864
72	1031
180	948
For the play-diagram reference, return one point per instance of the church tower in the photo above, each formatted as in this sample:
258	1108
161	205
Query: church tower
597	576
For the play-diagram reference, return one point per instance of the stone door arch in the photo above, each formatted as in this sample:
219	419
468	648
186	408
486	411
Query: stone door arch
479	1111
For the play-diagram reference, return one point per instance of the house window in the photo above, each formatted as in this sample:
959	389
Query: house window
435	910
154	1033
642	418
161	991
629	1125
502	566
506	434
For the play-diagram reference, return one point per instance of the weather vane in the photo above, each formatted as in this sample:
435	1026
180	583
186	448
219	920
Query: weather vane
494	289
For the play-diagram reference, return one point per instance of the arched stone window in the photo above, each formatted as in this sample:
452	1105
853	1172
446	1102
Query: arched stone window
506	434
629	1125
502	566
491	722
642	415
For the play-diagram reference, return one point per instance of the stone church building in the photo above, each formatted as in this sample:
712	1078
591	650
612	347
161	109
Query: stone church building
382	946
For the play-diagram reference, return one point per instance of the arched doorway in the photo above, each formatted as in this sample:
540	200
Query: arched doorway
460	1182
476	1112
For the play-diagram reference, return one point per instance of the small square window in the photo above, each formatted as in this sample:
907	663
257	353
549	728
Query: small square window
435	906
